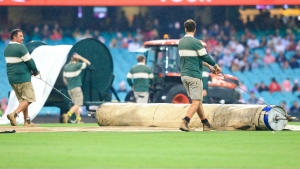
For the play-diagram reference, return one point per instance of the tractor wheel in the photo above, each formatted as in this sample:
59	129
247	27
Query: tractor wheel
178	95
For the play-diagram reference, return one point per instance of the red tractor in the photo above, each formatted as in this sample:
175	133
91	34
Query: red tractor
163	57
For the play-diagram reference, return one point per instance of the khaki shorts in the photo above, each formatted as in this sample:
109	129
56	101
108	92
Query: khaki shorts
24	91
141	97
76	95
193	86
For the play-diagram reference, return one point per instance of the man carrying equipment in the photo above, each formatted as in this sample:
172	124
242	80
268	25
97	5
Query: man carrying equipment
192	56
20	67
72	78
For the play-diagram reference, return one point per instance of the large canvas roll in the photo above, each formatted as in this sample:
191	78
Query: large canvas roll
231	116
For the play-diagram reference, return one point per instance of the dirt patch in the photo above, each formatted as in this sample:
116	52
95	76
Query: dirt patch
21	129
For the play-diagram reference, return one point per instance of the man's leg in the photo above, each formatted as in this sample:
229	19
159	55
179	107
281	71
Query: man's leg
66	116
190	113
25	113
201	114
200	111
78	117
22	107
27	120
193	108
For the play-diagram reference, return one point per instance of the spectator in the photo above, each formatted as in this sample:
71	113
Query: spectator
285	64
223	38
139	36
227	58
297	54
270	42
113	43
263	42
5	37
214	31
283	105
276	38
133	45
294	63
255	64
235	65
262	87
226	28
56	35
286	85
291	46
36	33
274	86
220	47
245	65
252	99
97	36
238	48
269	58
280	59
78	35
243	40
298	45
279	47
87	34
253	42
296	86
295	109
255	88
243	87
122	86
285	42
211	43
45	32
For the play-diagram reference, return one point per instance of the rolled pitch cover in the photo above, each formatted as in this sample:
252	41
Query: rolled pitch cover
231	116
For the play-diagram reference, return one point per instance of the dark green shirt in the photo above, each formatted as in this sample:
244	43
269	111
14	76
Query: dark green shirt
142	76
192	53
72	72
19	63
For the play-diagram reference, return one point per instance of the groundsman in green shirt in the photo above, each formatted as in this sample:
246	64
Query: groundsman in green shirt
193	56
20	67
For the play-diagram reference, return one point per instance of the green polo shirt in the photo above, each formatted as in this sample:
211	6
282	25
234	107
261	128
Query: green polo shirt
192	54
19	64
72	72
142	76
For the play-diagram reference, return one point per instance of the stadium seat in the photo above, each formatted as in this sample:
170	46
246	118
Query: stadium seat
49	111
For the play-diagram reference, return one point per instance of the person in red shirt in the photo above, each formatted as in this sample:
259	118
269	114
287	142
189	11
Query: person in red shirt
274	86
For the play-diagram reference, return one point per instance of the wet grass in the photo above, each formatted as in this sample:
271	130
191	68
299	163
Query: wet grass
230	149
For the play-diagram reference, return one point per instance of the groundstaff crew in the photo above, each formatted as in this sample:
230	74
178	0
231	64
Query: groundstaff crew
142	78
192	55
20	67
72	78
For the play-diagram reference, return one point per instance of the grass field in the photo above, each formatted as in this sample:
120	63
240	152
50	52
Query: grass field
220	149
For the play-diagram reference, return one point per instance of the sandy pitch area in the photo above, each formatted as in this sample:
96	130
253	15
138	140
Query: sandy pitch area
21	129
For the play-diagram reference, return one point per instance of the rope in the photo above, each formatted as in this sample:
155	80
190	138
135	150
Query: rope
89	113
287	116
